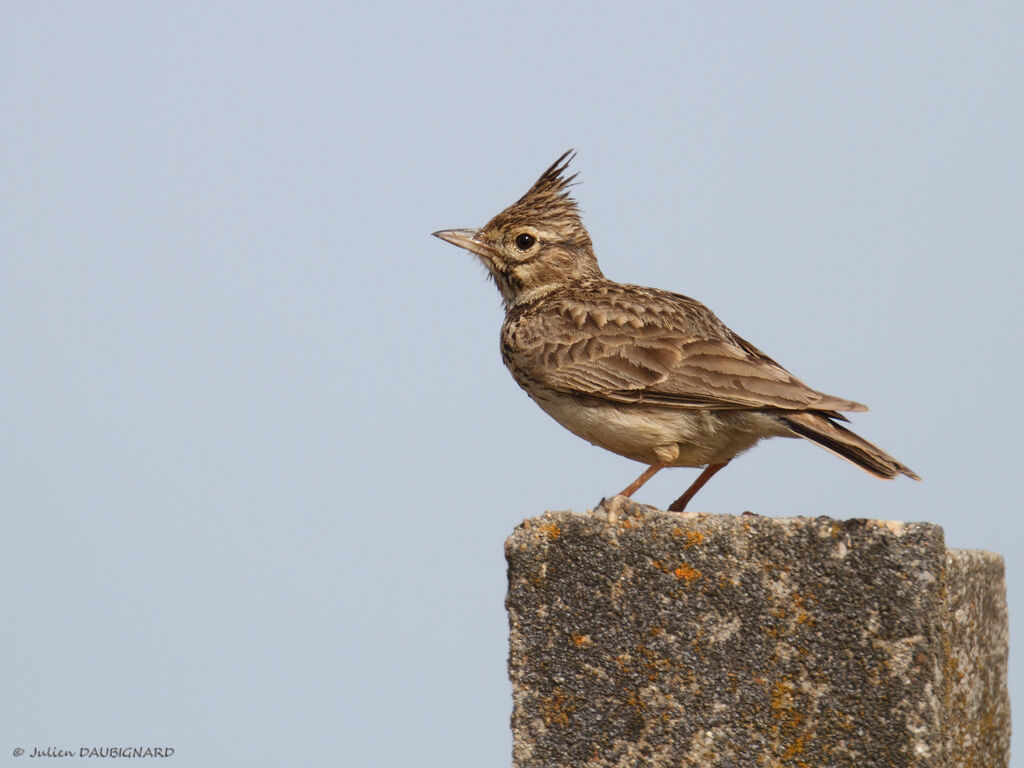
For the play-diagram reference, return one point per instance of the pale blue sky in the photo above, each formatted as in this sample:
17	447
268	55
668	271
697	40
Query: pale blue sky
258	453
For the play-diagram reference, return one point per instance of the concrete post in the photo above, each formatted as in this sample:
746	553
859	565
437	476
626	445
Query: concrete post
665	639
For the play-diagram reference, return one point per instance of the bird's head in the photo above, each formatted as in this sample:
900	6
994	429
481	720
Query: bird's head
535	245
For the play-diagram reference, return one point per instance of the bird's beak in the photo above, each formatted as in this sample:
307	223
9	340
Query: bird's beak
466	238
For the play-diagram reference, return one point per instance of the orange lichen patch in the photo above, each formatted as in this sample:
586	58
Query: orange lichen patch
782	695
556	708
802	616
682	571
580	640
551	529
687	572
653	663
795	748
536	581
789	727
693	538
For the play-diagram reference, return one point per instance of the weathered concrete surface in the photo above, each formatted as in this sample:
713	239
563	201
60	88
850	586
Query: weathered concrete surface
976	641
665	639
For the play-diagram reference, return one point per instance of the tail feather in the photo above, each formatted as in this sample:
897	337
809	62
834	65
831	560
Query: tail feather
818	428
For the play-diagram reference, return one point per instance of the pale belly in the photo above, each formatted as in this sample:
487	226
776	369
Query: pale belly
672	436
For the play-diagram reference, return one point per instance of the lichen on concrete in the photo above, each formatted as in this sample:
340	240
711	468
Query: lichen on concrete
664	639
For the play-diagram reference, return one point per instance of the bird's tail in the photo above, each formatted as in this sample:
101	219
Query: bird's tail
818	428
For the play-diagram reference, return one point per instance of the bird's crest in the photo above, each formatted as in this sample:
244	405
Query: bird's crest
548	205
551	190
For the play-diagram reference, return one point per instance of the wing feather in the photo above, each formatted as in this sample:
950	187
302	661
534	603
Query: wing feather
647	346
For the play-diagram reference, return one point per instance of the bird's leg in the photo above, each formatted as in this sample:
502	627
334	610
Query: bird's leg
647	475
680	504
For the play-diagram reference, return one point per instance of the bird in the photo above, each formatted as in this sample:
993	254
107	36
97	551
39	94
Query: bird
648	374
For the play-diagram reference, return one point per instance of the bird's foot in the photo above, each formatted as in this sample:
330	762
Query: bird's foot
612	507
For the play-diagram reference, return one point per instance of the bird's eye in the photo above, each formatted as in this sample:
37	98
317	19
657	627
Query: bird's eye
524	242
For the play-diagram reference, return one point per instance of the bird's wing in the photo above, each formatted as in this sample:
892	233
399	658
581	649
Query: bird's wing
656	348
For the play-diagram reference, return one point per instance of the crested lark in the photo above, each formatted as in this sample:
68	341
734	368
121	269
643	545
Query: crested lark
647	374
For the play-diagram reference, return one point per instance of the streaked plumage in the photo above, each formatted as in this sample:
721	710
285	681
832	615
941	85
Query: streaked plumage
645	373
